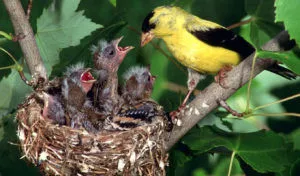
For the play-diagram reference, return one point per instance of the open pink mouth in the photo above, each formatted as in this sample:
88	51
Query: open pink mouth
121	49
87	76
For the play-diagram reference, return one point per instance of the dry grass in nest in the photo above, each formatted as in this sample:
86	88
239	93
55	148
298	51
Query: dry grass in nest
62	150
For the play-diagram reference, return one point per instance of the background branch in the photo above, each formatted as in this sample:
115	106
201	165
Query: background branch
28	44
208	99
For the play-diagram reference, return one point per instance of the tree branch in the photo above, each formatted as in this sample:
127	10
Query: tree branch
208	99
28	44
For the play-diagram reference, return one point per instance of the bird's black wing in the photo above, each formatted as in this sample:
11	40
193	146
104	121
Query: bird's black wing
225	38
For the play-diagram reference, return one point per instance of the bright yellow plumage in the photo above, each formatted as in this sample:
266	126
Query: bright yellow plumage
202	46
173	26
197	55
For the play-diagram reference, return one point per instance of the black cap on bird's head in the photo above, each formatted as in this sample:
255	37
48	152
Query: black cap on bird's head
154	20
147	26
109	56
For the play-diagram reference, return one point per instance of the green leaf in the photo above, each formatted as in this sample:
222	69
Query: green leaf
15	92
263	26
61	28
82	53
200	172
261	9
258	36
5	35
263	151
219	11
288	13
296	139
295	169
289	58
10	163
113	2
180	157
223	167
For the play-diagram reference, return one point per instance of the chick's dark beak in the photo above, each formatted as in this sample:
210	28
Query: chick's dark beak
146	38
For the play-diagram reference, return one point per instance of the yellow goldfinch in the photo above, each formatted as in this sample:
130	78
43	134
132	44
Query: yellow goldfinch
204	47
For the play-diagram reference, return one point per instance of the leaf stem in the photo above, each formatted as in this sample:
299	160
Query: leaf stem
279	101
231	163
276	114
6	35
10	55
8	67
16	66
249	84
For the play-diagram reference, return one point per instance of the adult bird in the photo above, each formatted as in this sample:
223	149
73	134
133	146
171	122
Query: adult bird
204	47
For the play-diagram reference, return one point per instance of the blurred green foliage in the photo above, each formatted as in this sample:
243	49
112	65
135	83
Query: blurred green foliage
206	149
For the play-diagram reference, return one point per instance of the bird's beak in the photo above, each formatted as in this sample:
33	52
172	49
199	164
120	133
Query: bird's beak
87	77
146	38
153	78
117	41
122	51
47	100
87	80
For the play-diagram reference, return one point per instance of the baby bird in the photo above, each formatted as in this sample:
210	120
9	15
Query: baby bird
204	47
138	109
77	82
53	108
138	84
107	58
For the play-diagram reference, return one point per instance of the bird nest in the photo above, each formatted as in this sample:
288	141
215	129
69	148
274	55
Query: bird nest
62	150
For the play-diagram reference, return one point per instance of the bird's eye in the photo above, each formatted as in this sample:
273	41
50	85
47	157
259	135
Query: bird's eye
146	76
109	52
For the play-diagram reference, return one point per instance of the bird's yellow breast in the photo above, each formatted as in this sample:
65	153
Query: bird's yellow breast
195	54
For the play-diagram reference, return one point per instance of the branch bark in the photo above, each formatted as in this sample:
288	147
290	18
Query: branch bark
208	99
28	44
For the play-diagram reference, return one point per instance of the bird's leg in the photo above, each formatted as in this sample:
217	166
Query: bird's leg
223	104
222	75
193	80
183	104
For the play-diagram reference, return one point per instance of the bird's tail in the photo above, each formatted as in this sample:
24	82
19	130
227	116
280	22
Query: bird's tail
284	72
